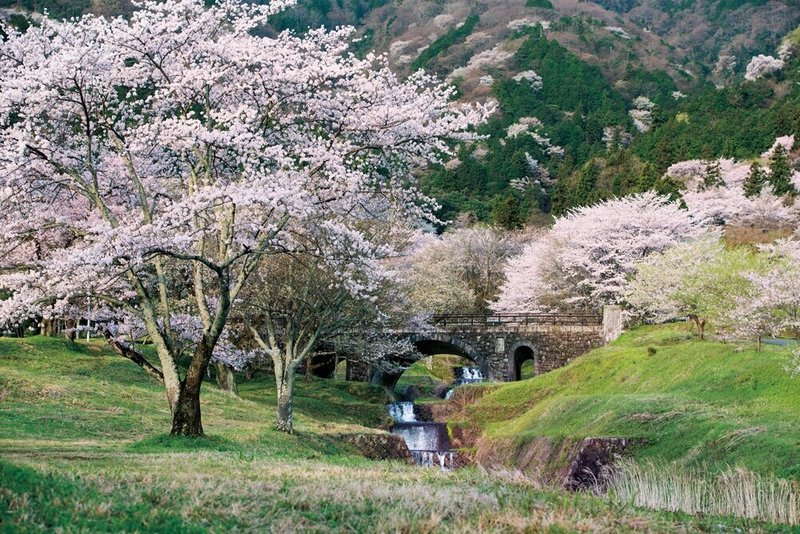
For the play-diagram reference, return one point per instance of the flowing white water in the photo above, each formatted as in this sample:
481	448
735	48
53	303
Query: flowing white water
423	436
427	441
402	412
471	374
443	460
465	375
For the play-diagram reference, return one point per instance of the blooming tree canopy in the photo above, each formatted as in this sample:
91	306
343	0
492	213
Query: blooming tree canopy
585	260
460	272
152	163
770	304
699	279
762	65
729	202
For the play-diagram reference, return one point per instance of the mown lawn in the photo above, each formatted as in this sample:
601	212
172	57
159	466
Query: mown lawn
83	448
696	403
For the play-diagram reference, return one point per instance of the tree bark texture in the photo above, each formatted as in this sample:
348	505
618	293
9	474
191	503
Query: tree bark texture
285	384
186	420
226	380
129	352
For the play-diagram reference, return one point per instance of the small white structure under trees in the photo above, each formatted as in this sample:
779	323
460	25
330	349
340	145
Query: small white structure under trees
154	163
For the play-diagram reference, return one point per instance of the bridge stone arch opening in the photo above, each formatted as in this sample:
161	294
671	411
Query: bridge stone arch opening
430	345
523	354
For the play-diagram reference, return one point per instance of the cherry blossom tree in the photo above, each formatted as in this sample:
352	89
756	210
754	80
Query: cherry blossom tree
770	304
299	301
762	65
153	163
460	272
699	279
586	259
741	196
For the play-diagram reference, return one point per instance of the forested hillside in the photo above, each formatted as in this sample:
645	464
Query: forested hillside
594	99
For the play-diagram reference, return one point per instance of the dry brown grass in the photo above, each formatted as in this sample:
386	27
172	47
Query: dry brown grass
736	492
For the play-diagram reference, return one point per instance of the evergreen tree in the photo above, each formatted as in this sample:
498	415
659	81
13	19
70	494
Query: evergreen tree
781	173
648	179
755	181
669	187
508	212
586	192
713	176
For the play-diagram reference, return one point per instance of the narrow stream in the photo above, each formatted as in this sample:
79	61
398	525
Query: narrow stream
465	375
428	441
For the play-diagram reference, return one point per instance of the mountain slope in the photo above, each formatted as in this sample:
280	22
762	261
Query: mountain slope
684	38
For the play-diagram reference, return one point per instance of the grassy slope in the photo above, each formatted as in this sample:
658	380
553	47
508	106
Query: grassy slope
699	403
82	447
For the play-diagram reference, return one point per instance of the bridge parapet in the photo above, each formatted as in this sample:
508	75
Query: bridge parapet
506	320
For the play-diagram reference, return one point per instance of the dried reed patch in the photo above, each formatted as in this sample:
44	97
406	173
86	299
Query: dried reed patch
737	492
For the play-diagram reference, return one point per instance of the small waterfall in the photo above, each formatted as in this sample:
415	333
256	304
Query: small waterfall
427	441
470	374
402	412
443	460
465	375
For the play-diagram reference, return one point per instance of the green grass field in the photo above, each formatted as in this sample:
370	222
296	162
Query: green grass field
700	404
83	449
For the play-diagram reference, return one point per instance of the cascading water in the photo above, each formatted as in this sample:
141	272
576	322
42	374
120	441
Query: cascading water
470	375
465	375
427	441
402	412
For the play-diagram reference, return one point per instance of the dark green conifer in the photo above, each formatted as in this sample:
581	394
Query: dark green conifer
648	179
781	173
713	176
755	181
508	212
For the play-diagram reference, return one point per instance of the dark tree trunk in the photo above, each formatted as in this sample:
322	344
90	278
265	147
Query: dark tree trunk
226	380
285	383
186	420
69	331
127	351
701	325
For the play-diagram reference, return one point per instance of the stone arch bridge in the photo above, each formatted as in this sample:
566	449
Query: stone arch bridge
499	344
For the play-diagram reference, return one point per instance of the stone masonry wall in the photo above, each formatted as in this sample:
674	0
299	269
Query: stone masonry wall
553	347
493	348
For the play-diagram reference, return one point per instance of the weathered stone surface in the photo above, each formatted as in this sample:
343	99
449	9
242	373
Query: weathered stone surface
379	446
423	412
572	463
590	467
499	348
